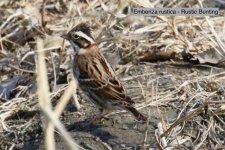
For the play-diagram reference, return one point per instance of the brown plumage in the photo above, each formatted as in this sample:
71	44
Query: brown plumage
95	75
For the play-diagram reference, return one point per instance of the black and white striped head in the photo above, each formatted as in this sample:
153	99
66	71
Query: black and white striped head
79	37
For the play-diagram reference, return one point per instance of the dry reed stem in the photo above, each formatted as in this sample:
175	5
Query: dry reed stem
67	138
183	119
44	95
45	104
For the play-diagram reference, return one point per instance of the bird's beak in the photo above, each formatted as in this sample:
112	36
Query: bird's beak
65	36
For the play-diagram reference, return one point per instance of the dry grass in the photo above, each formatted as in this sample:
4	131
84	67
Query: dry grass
30	48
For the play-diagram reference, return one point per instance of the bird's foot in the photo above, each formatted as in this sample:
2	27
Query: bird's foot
99	117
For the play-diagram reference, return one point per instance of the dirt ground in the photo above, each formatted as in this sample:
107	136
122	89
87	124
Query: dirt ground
121	130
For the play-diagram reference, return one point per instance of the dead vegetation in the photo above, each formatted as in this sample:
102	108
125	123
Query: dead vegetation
171	64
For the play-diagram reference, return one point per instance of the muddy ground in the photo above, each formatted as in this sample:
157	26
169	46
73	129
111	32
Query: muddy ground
121	130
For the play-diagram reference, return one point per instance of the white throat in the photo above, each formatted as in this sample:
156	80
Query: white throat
77	49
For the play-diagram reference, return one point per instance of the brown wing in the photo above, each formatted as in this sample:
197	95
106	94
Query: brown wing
97	77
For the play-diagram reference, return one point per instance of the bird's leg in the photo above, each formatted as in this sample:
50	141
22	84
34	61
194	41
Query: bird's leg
100	116
104	114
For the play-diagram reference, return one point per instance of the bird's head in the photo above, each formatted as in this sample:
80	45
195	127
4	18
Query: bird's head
79	37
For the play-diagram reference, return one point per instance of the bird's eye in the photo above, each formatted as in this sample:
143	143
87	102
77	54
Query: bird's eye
76	36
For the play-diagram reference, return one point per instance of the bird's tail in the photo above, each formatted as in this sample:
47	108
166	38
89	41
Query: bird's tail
136	114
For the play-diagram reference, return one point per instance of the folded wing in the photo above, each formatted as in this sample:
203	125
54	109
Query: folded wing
99	80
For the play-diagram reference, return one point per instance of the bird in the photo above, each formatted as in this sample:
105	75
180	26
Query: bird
95	76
